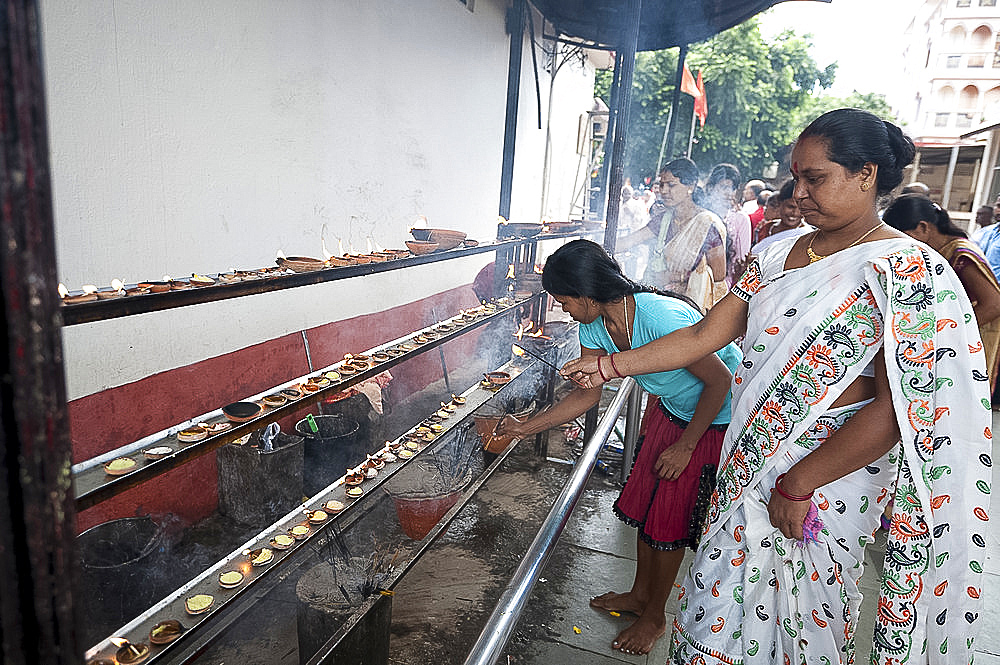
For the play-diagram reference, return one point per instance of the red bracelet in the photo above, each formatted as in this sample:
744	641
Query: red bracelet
600	371
617	373
790	497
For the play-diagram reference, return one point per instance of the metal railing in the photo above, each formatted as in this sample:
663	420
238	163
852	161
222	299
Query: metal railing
503	620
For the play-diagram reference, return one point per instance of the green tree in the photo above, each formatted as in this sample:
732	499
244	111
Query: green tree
816	106
756	91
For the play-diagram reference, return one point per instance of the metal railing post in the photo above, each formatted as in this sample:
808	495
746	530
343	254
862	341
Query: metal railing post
503	620
632	415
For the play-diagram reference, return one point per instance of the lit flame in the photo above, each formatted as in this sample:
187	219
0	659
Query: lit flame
166	278
89	288
118	641
117	285
368	241
63	292
246	553
510	271
281	254
379	248
501	219
326	253
420	222
523	328
340	246
518	351
245	568
538	269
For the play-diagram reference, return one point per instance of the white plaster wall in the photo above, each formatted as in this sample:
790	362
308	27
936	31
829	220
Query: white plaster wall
196	137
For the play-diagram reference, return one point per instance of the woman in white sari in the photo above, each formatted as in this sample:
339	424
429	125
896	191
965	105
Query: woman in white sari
863	379
687	244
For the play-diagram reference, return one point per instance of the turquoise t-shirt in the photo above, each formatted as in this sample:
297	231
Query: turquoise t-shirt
656	316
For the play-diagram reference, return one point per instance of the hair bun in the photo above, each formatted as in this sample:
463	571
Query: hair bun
901	145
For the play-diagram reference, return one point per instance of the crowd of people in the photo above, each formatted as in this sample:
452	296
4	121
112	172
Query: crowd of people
819	369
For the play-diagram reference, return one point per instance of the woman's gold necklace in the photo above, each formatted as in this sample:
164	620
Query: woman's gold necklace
814	257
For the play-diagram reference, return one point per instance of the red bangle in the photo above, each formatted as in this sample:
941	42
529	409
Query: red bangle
600	371
790	497
617	373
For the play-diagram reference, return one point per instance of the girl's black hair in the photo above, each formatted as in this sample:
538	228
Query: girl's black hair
910	209
583	269
683	169
854	137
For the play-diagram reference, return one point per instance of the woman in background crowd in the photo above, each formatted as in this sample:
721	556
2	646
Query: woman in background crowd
919	217
688	246
720	198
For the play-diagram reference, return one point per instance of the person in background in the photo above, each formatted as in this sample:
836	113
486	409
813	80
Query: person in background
987	225
720	198
757	216
919	217
667	490
916	188
750	192
863	380
688	244
989	241
789	224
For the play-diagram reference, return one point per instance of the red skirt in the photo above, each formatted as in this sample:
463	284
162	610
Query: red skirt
669	513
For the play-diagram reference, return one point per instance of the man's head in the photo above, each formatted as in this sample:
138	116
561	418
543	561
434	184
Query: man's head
752	189
984	215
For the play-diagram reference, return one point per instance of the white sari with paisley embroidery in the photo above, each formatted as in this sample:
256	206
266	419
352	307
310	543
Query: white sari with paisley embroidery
753	596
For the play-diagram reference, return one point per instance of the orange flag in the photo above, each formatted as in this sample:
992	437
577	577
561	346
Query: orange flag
701	102
688	84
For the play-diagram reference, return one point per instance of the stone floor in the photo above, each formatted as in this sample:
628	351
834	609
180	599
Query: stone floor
443	602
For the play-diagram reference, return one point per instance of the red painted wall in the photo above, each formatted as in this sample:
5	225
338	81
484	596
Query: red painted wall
117	416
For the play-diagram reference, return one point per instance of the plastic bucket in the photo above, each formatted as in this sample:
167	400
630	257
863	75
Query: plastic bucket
418	515
329	452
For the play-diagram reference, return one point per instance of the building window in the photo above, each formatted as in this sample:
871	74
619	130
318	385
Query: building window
941	119
953	61
963	120
987	3
963	3
977	60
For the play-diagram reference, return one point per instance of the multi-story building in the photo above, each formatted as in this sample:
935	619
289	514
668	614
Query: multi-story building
953	67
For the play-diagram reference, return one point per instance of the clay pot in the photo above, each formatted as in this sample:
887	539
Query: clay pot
419	247
241	412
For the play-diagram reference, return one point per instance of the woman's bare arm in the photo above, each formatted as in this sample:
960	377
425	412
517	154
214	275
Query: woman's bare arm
863	439
982	292
726	321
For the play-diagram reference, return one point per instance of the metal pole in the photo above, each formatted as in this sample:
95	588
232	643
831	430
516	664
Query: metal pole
632	415
663	143
694	118
503	620
37	560
627	56
681	57
949	176
513	95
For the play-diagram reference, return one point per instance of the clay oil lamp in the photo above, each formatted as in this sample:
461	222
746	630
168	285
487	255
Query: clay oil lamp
259	557
421	339
406	454
74	298
228	277
158	452
275	400
354	492
375	462
458	400
192	434
231	579
354	478
423	429
292	393
437	428
347	370
179	284
420	247
387	457
428	437
165	632
120	466
443	414
380	357
198	603
201	280
333	506
332	376
448	407
310	387
433	418
299	531
318	517
101	661
443	327
319	381
282	541
395	446
128	653
136	290
214	428
241	412
412	446
116	290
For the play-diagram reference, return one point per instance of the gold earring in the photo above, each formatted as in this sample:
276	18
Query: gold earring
865	186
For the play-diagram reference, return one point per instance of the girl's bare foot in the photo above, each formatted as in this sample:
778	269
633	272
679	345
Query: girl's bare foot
619	602
640	637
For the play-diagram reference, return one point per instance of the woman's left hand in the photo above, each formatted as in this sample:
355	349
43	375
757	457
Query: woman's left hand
672	461
787	516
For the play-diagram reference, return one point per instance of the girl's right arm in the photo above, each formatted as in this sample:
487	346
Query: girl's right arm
726	321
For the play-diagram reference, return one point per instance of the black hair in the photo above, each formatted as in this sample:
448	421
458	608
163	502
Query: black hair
763	195
854	137
583	269
786	189
722	172
910	209
683	169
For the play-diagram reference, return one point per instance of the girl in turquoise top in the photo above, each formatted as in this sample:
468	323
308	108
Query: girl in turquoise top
674	469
